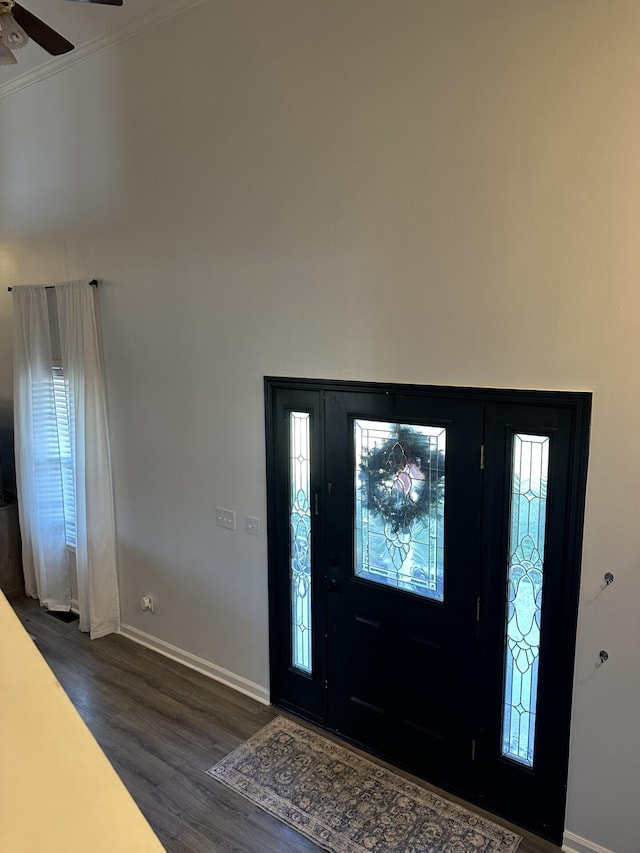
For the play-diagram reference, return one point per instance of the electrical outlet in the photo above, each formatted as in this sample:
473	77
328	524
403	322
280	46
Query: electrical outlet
147	604
252	525
225	518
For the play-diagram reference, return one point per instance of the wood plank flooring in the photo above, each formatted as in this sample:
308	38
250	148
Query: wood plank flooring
162	726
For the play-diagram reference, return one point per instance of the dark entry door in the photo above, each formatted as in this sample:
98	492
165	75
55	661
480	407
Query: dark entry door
424	551
403	527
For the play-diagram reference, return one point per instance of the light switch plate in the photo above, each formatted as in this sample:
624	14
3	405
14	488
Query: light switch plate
225	518
252	525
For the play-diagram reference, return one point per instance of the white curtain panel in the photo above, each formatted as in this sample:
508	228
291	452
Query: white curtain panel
98	597
38	468
40	476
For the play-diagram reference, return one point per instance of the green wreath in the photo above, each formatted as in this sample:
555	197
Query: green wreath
404	478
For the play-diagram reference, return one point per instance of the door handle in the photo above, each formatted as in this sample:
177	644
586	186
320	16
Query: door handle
333	585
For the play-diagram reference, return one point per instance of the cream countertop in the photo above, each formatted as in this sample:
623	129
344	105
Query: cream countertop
58	791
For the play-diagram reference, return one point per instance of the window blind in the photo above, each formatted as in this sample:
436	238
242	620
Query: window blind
63	423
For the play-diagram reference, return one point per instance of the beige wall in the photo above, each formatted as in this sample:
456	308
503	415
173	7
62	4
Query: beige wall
431	192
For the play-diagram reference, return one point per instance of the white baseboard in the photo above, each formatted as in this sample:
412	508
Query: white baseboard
211	670
573	843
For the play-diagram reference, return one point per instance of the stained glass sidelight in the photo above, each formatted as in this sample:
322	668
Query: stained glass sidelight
530	466
399	506
300	539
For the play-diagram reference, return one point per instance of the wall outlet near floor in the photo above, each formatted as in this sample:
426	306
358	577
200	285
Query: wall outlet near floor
147	604
252	525
225	518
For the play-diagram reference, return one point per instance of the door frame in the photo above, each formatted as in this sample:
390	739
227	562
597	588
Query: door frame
579	406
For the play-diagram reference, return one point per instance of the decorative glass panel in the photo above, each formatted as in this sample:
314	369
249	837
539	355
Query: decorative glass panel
524	594
399	506
300	539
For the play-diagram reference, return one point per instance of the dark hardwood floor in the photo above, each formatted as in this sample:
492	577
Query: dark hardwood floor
162	726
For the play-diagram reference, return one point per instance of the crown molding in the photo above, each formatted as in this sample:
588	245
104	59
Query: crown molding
53	66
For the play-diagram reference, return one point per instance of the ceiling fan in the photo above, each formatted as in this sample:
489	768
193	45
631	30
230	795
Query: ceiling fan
18	25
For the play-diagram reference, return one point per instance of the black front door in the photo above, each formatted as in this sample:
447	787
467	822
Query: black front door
424	553
402	527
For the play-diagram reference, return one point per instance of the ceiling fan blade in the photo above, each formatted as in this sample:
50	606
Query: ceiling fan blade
41	33
103	2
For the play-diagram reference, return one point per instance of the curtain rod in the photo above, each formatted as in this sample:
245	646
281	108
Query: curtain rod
93	283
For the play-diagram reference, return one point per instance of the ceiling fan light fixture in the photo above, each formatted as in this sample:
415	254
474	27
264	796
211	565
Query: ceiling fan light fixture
11	33
6	57
18	26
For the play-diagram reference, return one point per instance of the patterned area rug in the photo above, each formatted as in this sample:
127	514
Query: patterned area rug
348	804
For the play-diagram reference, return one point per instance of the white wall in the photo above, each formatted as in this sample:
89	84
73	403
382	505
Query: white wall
409	190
